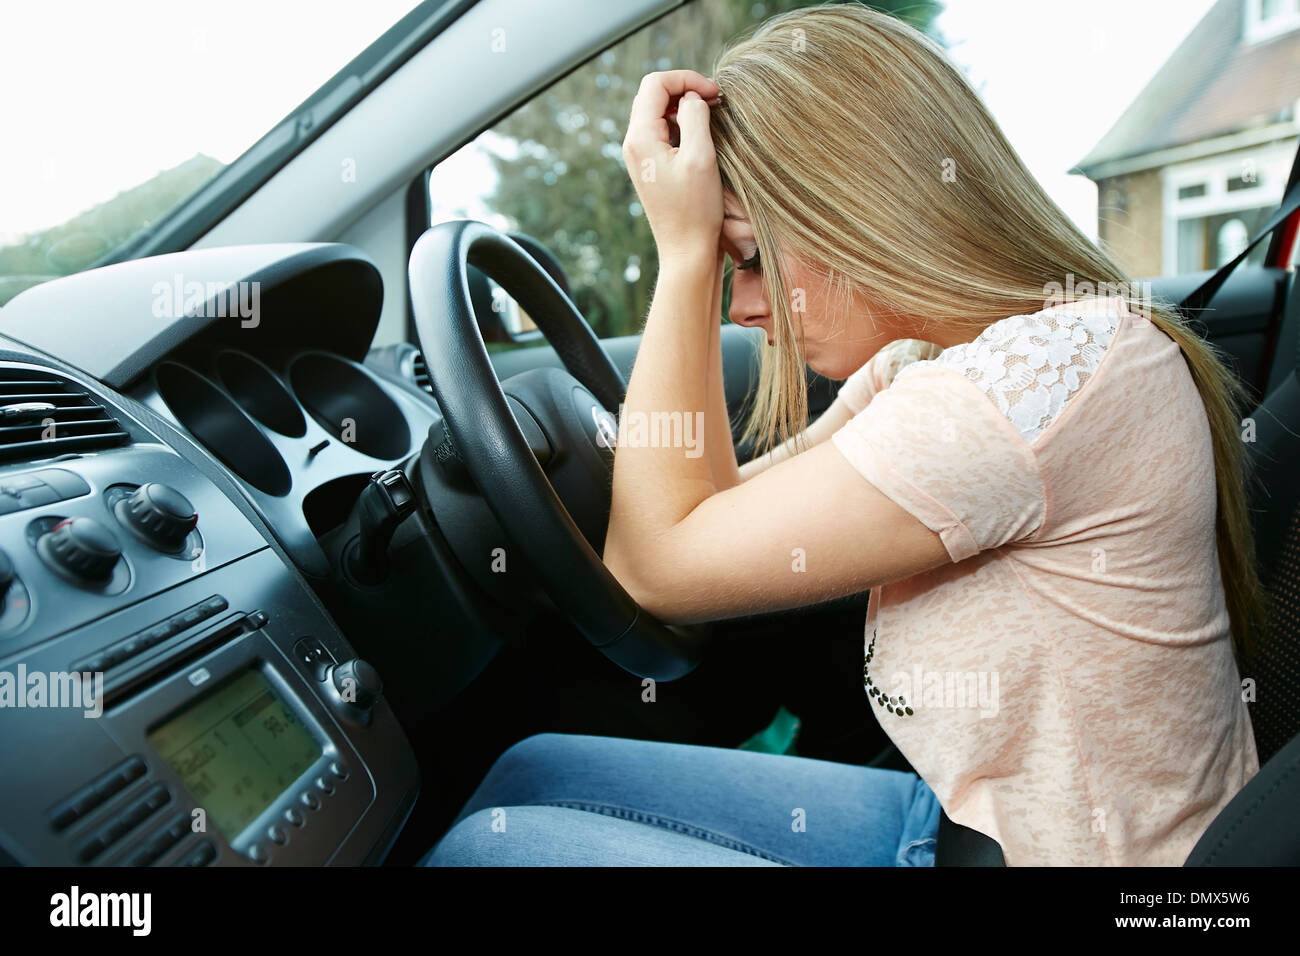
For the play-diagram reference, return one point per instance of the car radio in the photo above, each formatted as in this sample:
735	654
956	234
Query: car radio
171	691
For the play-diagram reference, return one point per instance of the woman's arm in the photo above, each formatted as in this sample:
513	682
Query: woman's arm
806	529
719	445
854	395
825	425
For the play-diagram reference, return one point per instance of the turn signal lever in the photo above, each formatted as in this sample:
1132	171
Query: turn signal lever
385	502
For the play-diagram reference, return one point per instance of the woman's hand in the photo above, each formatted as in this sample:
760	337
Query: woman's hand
678	185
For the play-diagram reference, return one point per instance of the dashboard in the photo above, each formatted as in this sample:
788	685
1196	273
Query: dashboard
189	675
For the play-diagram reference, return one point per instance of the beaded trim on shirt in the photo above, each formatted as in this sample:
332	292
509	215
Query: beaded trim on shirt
898	705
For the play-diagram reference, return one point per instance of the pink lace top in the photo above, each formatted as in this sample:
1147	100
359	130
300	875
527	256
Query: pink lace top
1066	685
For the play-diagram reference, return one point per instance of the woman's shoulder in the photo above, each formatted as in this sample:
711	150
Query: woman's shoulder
1032	366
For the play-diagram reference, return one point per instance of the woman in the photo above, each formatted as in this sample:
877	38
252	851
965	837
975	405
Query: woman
1044	496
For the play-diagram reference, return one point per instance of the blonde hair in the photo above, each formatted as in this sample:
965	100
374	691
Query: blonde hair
857	148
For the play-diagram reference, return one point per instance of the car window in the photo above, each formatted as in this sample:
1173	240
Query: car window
104	140
1168	142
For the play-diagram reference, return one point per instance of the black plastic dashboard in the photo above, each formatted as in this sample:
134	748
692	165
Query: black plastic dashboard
172	688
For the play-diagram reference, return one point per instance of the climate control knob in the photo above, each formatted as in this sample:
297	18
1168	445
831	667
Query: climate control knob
7	575
160	514
83	548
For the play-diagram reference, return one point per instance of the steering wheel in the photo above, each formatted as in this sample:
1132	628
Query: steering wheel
510	436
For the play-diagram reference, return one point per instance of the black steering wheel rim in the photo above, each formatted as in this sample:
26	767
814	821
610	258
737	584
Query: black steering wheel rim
495	452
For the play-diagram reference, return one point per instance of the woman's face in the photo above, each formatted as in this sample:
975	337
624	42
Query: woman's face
839	335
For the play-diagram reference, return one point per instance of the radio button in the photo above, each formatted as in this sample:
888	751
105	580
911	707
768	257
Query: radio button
41	494
93	847
191	615
16	486
295	817
144	856
161	842
277	834
339	770
96	792
108	785
157	797
66	483
324	786
63	816
357	683
310	800
258	853
155	635
99	662
202	855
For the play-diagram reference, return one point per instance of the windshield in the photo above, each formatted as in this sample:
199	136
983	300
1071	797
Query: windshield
104	139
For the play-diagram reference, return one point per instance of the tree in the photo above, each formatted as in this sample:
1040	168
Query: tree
564	182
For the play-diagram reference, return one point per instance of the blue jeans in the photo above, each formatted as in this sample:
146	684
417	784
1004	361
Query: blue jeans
570	800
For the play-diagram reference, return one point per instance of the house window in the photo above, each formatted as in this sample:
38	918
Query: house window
1266	19
1207	242
1213	206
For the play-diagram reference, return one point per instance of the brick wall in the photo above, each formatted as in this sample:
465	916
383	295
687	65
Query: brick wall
1129	221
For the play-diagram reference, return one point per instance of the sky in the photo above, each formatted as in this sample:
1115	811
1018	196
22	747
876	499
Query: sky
101	96
1056	74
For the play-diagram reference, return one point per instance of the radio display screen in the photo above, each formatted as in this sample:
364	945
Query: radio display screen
237	748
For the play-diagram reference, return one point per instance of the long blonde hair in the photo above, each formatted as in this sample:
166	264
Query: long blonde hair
856	146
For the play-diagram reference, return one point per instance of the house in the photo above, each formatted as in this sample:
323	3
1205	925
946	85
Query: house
1201	157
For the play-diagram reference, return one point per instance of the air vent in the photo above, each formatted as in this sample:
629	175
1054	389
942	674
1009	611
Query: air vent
420	372
43	415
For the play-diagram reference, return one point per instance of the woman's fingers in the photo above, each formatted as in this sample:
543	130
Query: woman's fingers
693	122
680	189
650	107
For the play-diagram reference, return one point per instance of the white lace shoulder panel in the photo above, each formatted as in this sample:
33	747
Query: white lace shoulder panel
1030	366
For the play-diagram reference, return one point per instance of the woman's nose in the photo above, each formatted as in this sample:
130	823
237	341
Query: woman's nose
748	304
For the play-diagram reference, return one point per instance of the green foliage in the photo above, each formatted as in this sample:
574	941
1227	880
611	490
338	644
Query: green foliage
88	236
566	184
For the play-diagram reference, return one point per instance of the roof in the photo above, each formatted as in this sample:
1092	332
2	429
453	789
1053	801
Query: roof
1212	85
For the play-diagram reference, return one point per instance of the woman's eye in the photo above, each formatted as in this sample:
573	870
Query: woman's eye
751	263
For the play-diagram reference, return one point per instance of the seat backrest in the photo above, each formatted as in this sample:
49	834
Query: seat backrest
1274	663
957	845
1260	826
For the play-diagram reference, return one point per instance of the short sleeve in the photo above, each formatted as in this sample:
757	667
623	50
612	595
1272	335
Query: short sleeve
879	371
939	448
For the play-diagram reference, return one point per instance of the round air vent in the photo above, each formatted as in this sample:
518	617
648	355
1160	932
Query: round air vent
261	393
350	405
223	428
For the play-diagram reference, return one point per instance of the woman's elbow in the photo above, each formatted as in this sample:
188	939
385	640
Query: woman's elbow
644	579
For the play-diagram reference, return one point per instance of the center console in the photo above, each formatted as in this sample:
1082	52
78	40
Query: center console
171	691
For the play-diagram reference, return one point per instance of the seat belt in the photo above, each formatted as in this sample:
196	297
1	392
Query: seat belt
1200	297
